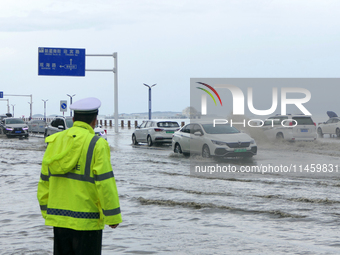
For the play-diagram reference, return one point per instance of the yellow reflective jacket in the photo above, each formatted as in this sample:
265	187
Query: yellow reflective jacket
77	189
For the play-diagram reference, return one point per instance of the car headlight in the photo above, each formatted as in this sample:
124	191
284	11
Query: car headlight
9	129
25	128
252	141
219	143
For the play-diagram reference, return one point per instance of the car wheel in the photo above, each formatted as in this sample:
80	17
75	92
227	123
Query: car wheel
134	140
177	148
279	136
205	151
149	140
320	132
337	132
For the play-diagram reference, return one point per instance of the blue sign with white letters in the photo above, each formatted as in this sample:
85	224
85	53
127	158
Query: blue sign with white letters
1	94
61	61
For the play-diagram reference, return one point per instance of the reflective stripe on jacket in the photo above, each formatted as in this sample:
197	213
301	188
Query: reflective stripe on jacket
77	188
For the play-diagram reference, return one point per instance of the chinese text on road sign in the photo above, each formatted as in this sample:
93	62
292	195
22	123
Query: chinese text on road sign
61	61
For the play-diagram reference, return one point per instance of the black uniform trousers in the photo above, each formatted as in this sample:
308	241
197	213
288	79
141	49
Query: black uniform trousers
75	242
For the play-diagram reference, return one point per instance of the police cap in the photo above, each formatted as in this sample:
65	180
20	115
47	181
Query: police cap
88	105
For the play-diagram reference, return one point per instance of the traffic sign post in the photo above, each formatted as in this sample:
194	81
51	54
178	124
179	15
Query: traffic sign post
61	61
63	106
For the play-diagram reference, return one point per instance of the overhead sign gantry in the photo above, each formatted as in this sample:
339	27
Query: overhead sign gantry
71	62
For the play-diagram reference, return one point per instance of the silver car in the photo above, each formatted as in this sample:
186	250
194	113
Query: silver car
14	127
36	126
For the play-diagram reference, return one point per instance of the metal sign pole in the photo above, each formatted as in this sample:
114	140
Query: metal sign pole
115	71
7	103
28	102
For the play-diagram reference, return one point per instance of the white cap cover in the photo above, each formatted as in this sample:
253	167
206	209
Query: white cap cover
86	106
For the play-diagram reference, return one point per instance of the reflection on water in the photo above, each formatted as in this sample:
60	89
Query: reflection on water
166	210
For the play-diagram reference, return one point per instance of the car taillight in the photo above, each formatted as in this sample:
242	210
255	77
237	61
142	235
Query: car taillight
105	131
314	124
290	123
158	129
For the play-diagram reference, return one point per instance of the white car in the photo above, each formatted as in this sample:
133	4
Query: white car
331	126
290	127
152	131
98	130
222	140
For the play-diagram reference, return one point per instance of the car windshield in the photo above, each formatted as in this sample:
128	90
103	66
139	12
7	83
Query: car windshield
167	124
14	121
219	129
69	123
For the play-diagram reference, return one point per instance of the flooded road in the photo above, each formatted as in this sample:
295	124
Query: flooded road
167	210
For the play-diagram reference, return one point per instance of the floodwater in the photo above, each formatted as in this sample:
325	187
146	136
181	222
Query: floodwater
167	210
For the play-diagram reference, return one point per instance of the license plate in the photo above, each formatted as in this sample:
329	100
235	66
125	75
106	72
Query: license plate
240	150
170	132
17	132
304	130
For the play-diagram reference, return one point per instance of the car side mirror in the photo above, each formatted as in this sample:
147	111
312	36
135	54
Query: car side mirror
198	133
61	127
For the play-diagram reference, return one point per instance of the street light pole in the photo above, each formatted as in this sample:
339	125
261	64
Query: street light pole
71	102
149	98
44	108
30	109
13	108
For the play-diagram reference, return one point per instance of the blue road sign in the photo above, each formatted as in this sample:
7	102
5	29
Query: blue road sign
1	94
61	61
63	105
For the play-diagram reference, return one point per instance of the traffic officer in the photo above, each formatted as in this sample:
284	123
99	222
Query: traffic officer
77	190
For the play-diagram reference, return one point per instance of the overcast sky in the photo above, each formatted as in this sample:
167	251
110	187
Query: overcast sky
164	42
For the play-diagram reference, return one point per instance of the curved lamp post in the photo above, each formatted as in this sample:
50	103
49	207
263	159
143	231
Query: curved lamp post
149	98
71	102
44	108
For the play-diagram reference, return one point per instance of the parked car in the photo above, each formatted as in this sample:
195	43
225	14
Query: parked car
36	126
152	131
331	126
7	115
58	124
61	123
222	140
290	127
14	127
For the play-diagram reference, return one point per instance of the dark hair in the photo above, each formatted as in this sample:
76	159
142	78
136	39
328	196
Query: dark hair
87	118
